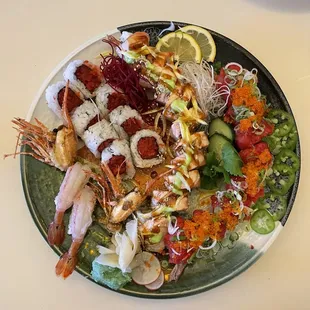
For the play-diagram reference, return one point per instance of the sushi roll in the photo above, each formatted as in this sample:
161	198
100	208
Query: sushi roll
84	76
118	158
99	136
120	131
107	99
54	95
128	119
84	116
147	148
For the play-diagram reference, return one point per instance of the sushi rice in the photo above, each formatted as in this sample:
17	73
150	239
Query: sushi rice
121	132
51	95
102	98
122	113
97	134
82	115
69	74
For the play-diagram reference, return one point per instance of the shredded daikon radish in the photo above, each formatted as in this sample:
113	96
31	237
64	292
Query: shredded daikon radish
208	247
172	228
209	95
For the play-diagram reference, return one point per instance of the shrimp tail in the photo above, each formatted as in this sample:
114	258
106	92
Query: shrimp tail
56	233
66	265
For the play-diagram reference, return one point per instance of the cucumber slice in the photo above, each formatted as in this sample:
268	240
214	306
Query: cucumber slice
218	126
216	145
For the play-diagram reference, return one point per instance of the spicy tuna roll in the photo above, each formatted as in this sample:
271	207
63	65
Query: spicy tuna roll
85	116
84	76
127	118
107	99
99	136
118	158
54	95
147	149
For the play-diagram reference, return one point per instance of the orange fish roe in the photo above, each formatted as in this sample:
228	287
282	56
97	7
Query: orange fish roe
243	96
252	175
206	225
251	171
265	157
229	218
246	123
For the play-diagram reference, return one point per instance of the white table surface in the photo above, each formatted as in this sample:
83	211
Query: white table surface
36	35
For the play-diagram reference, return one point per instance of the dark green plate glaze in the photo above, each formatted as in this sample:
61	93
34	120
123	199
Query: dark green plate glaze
41	184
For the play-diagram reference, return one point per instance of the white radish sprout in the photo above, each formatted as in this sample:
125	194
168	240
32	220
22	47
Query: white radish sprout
209	95
172	228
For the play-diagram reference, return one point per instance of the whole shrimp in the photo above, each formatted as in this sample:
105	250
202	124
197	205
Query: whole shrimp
80	220
57	148
75	179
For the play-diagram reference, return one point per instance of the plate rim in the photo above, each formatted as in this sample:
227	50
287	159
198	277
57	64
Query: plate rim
235	272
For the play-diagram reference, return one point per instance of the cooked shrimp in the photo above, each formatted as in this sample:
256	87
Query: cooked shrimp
80	220
126	206
75	179
56	148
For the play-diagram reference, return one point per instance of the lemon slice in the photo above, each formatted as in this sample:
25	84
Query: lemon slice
204	39
184	46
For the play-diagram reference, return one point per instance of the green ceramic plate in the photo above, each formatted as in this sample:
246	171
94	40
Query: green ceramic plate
41	182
